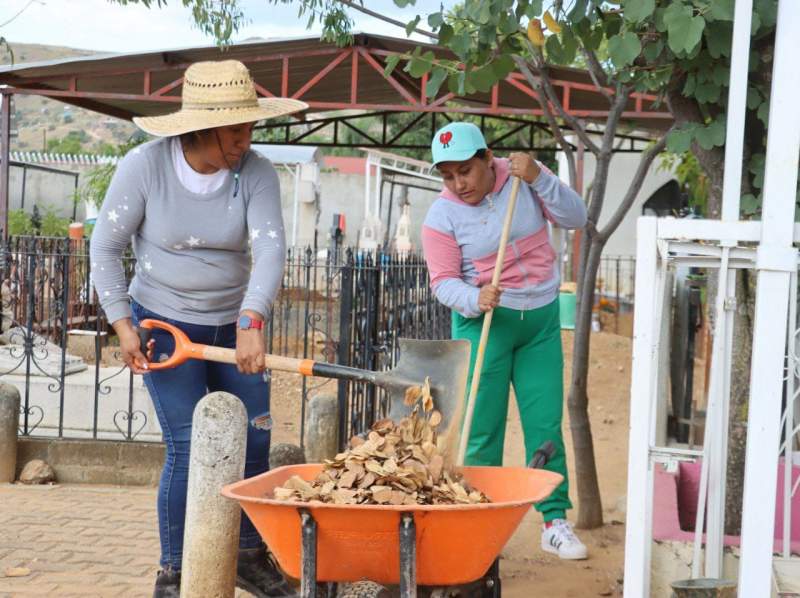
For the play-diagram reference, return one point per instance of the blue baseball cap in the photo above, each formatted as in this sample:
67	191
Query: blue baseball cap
456	142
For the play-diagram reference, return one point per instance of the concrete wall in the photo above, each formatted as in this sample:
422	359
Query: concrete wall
95	461
344	194
623	168
45	189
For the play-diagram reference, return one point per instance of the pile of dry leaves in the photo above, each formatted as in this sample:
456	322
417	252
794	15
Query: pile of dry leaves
397	464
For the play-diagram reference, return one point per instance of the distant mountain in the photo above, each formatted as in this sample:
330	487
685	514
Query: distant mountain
39	120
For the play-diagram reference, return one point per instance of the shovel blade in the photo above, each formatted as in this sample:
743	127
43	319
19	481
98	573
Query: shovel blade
445	362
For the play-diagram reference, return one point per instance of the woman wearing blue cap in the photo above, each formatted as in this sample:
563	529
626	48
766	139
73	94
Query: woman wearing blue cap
460	237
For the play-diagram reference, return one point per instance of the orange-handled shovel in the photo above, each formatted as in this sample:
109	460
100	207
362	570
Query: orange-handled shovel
445	362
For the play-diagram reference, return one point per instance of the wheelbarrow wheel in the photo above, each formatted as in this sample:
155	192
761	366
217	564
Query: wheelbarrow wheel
363	589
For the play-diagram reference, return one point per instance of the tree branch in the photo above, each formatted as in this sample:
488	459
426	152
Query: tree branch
633	189
603	158
550	92
21	10
596	72
566	147
377	15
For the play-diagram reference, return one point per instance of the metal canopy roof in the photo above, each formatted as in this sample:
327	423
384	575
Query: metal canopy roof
325	76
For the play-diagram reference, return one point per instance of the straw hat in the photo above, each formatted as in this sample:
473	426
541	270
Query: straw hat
217	94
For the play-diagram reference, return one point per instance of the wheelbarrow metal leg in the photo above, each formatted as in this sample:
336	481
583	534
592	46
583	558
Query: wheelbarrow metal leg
308	563
408	557
491	588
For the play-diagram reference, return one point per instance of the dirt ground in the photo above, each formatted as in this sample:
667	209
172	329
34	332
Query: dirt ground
525	569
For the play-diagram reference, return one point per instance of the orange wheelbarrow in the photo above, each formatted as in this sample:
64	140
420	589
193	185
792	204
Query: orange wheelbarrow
435	547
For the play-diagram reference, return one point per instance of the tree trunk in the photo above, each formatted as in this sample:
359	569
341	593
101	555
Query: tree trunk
590	506
740	394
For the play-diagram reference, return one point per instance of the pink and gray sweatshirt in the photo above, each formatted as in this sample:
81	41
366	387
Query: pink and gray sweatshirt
460	242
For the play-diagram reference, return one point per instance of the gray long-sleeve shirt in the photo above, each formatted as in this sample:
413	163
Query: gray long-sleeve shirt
194	261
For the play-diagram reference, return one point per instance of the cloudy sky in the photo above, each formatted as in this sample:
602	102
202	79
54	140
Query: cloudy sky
100	25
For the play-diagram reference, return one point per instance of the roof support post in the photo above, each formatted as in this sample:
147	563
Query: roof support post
5	157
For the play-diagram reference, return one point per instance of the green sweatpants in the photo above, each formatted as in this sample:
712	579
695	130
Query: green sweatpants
524	349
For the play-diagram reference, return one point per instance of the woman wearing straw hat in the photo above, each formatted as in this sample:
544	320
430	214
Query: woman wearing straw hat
192	202
460	237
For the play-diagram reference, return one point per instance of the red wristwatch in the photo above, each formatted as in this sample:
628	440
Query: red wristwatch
246	323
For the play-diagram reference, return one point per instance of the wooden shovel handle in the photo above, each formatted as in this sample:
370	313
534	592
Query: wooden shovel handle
487	324
186	349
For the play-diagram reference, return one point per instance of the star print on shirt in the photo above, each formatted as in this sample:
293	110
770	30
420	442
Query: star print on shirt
178	246
193	241
112	215
272	234
254	233
148	266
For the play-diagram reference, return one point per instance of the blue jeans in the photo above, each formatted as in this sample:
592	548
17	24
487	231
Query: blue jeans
175	392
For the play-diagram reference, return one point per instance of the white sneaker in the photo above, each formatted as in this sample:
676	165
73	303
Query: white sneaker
561	540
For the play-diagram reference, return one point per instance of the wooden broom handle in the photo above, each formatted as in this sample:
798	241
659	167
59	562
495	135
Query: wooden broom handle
487	323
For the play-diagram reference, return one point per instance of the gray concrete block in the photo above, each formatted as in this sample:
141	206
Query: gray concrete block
9	425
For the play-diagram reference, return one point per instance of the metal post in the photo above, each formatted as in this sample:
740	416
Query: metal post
638	538
5	156
345	331
716	441
308	563
776	260
296	207
24	184
408	557
211	538
791	396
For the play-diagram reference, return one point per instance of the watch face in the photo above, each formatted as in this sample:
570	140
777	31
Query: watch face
244	322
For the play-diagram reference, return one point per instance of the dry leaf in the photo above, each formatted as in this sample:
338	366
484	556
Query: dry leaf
17	572
535	33
348	479
413	394
551	23
397	464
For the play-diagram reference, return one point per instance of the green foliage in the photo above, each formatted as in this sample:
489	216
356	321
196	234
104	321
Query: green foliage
54	225
217	18
72	143
19	223
49	224
690	177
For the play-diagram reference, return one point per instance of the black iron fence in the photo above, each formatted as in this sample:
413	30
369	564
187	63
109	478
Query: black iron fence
614	293
347	307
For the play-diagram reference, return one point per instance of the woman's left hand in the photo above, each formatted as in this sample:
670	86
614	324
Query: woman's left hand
523	165
250	349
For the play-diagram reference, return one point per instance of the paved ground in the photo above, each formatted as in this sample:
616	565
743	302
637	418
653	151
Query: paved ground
79	541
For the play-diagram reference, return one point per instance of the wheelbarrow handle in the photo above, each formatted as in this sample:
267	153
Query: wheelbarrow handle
542	455
185	349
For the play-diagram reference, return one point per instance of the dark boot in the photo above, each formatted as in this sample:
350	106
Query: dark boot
168	584
257	573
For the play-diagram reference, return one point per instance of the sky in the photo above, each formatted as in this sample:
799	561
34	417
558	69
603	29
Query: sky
102	26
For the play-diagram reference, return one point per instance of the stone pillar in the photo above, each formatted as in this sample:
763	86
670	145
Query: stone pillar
9	424
322	428
211	539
